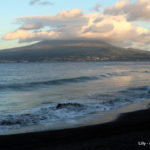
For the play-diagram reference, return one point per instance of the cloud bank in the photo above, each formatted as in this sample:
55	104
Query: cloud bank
114	25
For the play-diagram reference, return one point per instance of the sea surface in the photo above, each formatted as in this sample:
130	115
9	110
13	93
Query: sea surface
36	95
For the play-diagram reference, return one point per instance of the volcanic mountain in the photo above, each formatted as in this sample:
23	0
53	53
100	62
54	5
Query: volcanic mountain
71	50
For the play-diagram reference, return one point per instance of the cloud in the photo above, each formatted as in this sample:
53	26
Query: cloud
31	26
32	2
40	2
99	28
66	24
134	11
26	36
115	29
96	8
72	24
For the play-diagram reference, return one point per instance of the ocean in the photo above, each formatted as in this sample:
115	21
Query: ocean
40	96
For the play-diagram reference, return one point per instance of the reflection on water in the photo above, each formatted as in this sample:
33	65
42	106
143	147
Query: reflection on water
122	81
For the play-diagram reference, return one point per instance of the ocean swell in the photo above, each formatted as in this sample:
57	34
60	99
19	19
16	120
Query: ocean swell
24	86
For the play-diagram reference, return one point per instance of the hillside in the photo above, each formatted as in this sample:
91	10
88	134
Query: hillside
71	50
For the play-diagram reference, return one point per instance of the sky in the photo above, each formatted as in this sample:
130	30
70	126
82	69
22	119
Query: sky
124	23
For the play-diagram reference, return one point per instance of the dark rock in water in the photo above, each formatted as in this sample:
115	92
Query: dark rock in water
66	105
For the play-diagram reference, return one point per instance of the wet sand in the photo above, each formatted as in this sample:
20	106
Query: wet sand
130	131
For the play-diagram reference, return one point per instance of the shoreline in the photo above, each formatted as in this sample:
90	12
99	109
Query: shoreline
97	119
126	132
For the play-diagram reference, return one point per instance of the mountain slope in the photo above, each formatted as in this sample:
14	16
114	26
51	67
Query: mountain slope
71	50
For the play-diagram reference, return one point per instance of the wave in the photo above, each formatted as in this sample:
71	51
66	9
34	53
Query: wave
146	71
47	114
50	82
141	91
128	95
21	86
24	86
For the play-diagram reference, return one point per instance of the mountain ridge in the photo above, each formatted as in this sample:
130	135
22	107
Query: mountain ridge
71	50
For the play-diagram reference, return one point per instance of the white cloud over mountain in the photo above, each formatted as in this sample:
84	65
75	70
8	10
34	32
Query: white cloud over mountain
114	25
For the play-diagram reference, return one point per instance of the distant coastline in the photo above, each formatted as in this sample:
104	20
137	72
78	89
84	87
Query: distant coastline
67	61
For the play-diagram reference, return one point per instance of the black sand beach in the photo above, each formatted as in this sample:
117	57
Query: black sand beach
130	131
